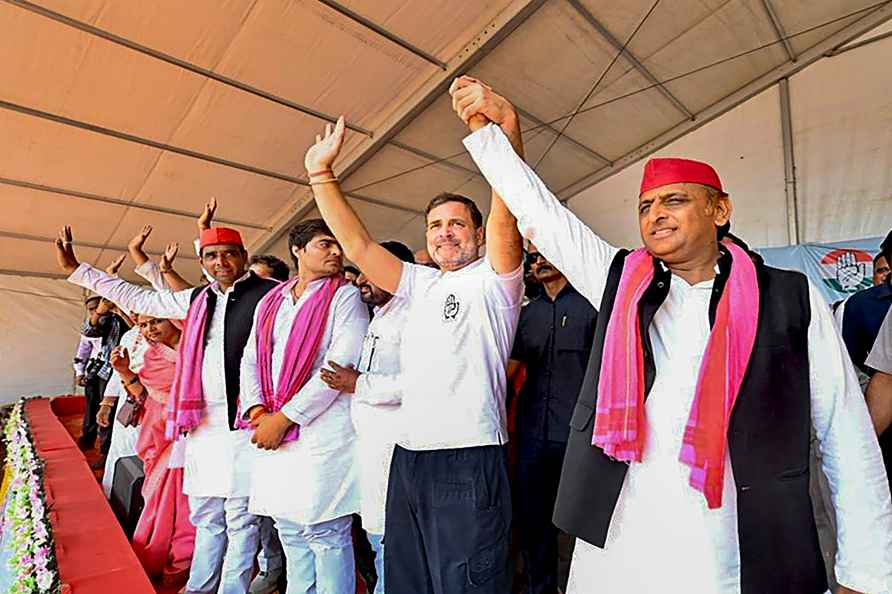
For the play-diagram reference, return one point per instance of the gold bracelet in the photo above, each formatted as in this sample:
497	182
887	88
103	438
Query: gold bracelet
323	181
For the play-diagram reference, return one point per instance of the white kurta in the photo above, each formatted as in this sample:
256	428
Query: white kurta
662	537
312	479
123	439
217	460
375	409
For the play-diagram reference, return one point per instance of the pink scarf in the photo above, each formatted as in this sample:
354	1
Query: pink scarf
185	407
158	370
300	350
620	421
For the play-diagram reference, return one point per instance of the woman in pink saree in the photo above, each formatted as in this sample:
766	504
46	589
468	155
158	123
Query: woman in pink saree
164	537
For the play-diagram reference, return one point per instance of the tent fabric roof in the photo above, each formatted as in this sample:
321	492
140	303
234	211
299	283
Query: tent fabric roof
120	113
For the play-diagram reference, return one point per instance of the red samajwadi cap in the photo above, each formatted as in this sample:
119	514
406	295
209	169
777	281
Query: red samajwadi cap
662	172
220	235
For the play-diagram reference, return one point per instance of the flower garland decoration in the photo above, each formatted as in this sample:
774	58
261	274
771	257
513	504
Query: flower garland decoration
33	560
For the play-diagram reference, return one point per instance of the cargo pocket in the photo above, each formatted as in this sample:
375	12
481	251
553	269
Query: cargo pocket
487	564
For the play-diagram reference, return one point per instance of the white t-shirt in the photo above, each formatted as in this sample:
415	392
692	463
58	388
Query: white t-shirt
455	346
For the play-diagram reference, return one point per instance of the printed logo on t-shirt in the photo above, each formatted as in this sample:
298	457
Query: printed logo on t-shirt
450	309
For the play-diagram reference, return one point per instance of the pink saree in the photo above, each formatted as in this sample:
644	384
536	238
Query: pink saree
164	537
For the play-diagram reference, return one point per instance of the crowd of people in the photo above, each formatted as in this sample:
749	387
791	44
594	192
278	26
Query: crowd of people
671	408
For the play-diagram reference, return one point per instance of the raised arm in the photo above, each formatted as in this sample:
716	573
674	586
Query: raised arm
135	247
171	277
471	99
131	297
380	266
583	257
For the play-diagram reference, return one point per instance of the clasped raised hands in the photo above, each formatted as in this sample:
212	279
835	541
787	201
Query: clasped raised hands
477	104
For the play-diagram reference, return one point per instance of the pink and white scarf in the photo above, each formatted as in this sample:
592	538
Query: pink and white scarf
620	416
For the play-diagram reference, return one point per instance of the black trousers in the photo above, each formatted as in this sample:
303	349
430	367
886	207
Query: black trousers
93	392
539	465
448	526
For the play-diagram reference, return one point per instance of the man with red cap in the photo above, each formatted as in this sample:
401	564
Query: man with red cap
205	398
687	467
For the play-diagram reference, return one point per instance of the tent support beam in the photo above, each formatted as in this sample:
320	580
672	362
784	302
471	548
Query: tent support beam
779	29
379	30
862	43
118	202
193	68
29	111
789	162
539	122
430	157
34	273
629	56
88	244
852	31
492	34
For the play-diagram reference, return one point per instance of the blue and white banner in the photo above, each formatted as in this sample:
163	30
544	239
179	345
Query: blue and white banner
838	269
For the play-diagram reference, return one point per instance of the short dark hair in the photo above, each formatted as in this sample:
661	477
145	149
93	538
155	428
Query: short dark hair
445	197
278	268
353	269
877	258
91	298
400	250
303	233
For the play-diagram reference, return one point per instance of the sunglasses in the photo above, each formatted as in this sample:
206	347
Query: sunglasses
533	257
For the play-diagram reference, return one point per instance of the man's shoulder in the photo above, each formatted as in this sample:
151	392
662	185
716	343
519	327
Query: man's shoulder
579	300
348	291
258	284
869	295
785	276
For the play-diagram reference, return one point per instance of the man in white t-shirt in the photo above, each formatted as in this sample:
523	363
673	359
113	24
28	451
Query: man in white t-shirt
448	502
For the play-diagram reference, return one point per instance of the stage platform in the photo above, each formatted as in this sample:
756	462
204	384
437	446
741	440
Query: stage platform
93	554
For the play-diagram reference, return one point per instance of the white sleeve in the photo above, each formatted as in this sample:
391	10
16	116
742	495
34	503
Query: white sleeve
408	277
508	287
379	388
113	388
583	257
83	353
250	393
150	271
852	460
351	319
131	297
133	342
880	356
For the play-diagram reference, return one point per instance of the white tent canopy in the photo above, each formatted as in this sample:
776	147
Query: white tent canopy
119	113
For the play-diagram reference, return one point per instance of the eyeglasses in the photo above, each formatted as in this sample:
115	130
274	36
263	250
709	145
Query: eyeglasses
533	257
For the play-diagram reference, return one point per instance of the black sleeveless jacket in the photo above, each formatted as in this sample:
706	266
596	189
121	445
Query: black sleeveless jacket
241	303
769	437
